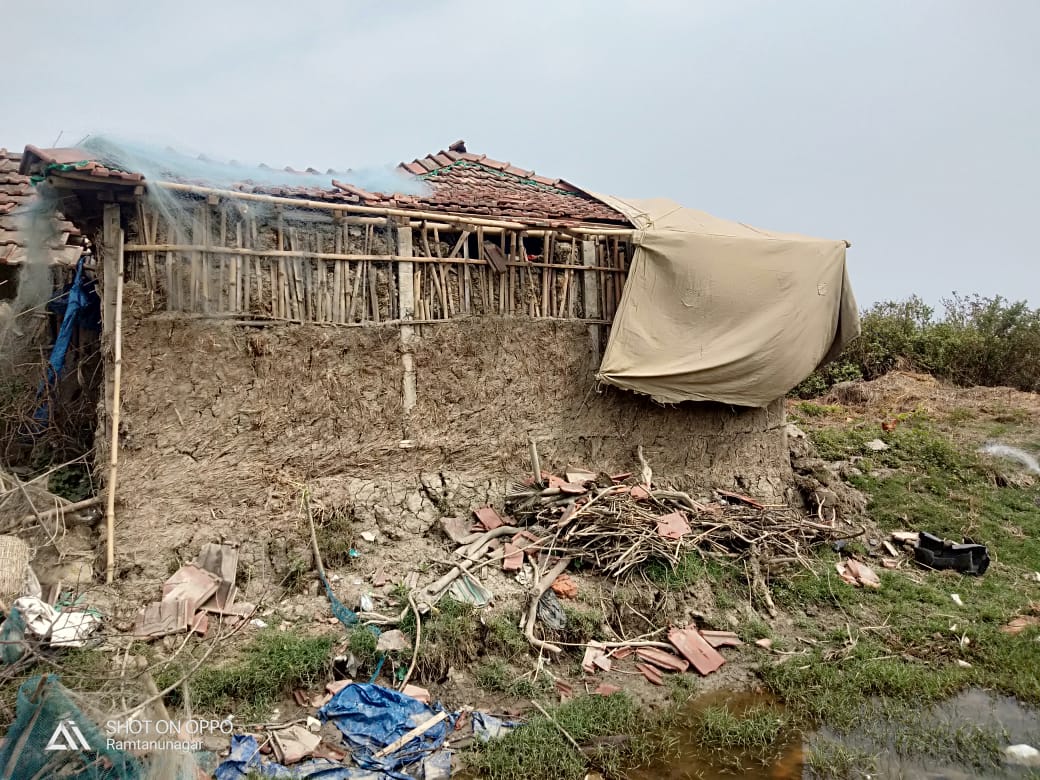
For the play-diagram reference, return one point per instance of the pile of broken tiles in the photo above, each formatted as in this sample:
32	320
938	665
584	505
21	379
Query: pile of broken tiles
193	593
693	647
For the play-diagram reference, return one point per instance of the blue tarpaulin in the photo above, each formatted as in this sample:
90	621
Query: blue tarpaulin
371	717
244	761
79	306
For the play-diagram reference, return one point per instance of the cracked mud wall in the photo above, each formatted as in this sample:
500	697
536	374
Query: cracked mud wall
224	424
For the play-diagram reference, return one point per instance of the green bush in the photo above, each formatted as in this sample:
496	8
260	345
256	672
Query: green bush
976	341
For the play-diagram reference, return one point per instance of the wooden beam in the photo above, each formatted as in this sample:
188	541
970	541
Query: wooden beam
406	307
593	310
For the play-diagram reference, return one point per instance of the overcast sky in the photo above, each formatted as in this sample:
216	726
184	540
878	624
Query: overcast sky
909	127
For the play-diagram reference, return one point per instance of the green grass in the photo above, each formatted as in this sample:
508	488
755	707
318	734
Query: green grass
268	669
748	730
504	637
828	759
495	676
362	643
885	656
451	636
537	751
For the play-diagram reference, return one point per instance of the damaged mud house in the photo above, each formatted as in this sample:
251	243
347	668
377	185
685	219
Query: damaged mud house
405	356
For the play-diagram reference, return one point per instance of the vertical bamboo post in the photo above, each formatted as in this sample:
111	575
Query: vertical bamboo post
117	367
406	303
336	312
228	262
593	310
547	280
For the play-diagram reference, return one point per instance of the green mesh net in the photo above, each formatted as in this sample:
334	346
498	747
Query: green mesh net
51	737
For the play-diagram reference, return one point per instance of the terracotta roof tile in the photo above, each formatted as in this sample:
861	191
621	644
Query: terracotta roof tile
16	190
460	182
76	159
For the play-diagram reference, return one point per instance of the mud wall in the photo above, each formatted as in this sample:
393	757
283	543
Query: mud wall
222	425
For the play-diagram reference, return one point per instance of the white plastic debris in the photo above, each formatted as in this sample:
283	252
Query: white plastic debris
1023	755
66	629
876	445
258	623
957	599
368	536
313	724
963	664
38	614
367	605
70	629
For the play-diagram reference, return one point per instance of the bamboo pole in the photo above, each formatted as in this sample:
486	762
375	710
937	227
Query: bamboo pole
355	257
336	313
546	276
113	452
380	211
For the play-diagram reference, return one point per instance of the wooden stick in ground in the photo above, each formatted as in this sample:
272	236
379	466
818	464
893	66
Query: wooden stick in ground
418	639
559	728
537	591
418	731
113	455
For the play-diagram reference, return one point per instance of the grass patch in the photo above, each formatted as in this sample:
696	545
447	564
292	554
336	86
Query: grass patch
335	530
451	636
269	668
752	729
496	677
828	759
502	635
812	409
536	750
362	643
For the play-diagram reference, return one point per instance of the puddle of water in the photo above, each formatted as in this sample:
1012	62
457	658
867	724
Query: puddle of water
886	741
693	761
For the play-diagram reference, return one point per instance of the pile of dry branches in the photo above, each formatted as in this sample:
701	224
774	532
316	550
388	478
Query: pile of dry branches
615	528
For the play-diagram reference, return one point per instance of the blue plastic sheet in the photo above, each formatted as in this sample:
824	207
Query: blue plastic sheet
371	717
245	760
79	306
487	727
345	615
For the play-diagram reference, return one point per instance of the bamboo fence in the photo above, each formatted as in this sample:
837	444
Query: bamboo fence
221	256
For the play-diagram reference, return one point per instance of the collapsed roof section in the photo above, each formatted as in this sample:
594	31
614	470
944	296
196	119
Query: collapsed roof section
459	182
61	240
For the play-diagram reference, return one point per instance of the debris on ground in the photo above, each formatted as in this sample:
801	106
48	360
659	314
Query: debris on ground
63	628
1022	755
41	743
1020	623
696	649
195	589
721	638
856	573
936	553
876	445
385	733
565	587
393	641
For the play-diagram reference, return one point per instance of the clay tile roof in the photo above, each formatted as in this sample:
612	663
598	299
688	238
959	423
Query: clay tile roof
467	183
71	159
16	190
460	183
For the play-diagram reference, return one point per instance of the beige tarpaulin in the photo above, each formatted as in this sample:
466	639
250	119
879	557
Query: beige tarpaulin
720	311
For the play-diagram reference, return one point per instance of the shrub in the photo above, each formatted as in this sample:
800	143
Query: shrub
976	341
